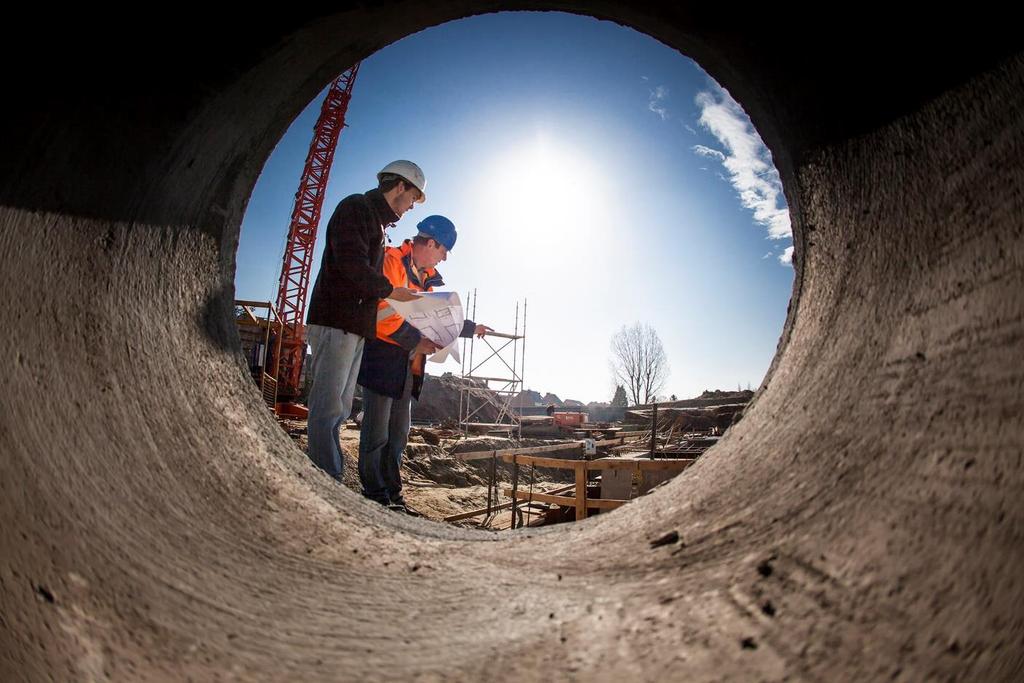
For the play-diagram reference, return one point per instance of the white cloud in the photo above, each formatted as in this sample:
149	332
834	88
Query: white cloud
708	152
766	256
748	163
656	102
690	128
787	255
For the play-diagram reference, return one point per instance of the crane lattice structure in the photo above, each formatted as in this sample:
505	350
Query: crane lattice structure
297	266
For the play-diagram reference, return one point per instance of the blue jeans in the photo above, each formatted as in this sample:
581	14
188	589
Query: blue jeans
382	439
335	367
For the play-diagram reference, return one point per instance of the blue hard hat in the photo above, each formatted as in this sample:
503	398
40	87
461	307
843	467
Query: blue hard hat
439	229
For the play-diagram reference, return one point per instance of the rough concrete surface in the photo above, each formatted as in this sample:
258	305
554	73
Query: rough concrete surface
863	521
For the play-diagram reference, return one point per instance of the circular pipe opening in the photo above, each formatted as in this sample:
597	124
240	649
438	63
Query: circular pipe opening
582	182
865	503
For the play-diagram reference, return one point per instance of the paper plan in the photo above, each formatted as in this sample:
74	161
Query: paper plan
438	316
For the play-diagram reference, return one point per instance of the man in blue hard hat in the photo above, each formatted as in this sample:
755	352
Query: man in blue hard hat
392	370
343	305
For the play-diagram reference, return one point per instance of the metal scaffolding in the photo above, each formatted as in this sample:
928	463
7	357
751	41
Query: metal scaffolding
478	388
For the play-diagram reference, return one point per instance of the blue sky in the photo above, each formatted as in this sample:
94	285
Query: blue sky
590	170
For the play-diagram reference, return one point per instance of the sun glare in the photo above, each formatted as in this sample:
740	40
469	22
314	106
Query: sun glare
550	195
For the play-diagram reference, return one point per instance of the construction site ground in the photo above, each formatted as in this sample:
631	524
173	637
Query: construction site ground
435	482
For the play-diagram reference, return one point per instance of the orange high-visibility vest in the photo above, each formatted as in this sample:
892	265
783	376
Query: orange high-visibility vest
398	269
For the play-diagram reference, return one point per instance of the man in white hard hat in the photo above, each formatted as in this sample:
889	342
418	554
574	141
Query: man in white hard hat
343	306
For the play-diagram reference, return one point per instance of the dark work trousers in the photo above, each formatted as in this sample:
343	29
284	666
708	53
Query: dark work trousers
382	439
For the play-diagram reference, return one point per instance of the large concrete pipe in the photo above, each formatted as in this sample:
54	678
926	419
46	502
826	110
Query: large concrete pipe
863	521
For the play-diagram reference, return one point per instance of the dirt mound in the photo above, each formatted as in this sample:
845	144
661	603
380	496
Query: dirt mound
435	464
688	419
439	402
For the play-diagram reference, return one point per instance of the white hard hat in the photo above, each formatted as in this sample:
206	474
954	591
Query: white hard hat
409	171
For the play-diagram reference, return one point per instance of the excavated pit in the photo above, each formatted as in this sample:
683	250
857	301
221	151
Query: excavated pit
863	521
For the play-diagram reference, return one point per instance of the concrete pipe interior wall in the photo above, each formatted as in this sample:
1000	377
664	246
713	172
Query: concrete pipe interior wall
863	521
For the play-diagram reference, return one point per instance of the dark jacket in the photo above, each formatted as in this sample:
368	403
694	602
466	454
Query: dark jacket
350	282
386	368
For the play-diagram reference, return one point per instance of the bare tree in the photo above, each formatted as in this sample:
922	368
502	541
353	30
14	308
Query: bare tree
639	362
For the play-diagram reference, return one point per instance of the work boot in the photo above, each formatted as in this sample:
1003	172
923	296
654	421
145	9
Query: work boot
403	507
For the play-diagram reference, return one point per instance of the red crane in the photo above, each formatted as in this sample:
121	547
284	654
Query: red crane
296	269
